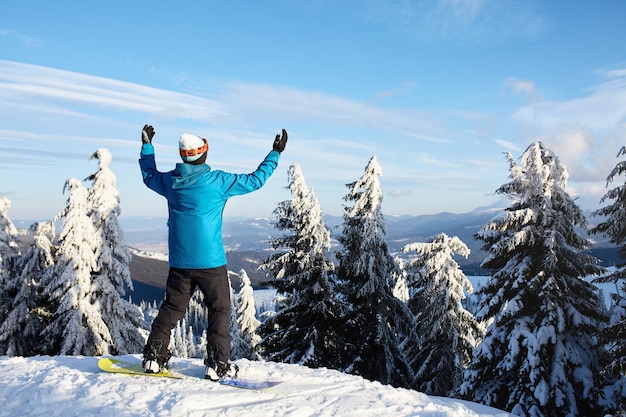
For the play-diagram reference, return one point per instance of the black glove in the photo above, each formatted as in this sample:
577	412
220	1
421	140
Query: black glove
280	142
147	134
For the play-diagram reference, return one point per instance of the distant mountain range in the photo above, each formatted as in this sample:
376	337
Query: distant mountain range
247	242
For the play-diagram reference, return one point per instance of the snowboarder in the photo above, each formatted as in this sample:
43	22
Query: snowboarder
196	196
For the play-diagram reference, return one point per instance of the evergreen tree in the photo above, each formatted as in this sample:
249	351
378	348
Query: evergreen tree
246	320
377	320
19	333
9	251
9	245
192	348
303	330
179	343
401	290
197	315
236	342
191	331
446	332
183	341
76	326
122	318
539	356
614	335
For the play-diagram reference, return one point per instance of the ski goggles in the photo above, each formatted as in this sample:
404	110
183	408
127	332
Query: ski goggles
193	152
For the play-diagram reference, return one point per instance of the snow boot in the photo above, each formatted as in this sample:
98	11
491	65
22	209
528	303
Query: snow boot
216	371
153	360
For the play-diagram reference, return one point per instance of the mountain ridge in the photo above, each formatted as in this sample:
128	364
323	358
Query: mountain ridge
247	242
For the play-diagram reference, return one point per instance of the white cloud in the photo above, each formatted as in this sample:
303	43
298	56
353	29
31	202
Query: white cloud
428	138
261	100
526	88
510	146
51	91
399	192
27	40
604	107
396	90
428	159
616	73
23	83
571	145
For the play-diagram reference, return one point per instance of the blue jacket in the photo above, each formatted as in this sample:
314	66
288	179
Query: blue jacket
196	196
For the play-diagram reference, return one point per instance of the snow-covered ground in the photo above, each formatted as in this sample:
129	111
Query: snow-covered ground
74	386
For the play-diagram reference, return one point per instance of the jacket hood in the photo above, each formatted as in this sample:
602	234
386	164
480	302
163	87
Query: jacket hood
188	175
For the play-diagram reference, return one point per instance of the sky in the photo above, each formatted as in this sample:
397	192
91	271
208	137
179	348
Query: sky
437	90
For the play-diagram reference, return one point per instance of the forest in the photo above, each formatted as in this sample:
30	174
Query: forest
540	342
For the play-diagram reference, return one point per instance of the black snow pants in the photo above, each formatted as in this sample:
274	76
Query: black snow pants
181	284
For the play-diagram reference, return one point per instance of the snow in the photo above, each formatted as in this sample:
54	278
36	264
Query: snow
161	256
74	386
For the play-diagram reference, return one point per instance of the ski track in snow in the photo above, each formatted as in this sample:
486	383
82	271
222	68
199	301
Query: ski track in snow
74	386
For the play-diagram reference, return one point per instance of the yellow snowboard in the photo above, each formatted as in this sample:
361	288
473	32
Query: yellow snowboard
129	368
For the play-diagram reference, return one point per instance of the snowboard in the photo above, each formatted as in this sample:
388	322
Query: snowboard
131	368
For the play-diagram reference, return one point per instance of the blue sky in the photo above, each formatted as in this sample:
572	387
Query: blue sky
437	90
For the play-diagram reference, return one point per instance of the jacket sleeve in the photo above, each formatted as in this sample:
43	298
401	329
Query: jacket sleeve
246	183
153	179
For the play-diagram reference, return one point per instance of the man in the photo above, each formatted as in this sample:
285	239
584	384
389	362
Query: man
196	196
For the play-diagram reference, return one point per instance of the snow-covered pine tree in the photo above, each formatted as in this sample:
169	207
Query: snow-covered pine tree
539	355
189	335
9	244
179	343
246	321
401	290
236	342
377	320
104	208
192	348
197	315
614	335
446	332
9	251
123	319
76	327
303	330
27	315
183	342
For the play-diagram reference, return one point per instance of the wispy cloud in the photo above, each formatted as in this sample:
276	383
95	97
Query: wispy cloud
616	73
396	90
30	138
23	83
523	87
258	100
481	20
26	40
604	107
458	21
428	138
510	146
399	192
428	159
30	85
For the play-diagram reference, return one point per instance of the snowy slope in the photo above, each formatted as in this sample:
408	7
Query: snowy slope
74	386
